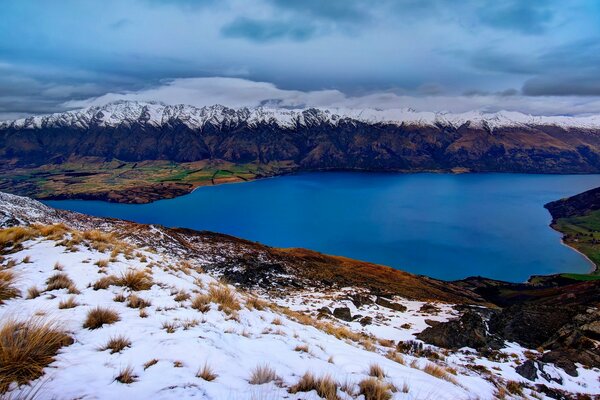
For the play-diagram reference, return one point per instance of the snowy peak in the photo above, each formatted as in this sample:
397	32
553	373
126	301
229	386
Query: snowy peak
159	114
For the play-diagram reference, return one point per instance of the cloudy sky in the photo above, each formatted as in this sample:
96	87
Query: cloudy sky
535	56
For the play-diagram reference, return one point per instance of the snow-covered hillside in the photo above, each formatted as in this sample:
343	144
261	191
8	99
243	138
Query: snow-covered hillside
178	331
158	114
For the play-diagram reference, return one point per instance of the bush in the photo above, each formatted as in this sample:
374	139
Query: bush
26	348
97	317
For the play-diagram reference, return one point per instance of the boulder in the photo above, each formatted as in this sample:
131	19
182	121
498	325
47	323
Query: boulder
382	301
364	321
343	313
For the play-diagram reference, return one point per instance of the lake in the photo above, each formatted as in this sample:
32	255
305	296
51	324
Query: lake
441	225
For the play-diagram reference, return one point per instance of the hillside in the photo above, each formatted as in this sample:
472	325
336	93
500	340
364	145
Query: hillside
140	152
144	311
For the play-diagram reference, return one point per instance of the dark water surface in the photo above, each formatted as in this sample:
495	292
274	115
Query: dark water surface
442	225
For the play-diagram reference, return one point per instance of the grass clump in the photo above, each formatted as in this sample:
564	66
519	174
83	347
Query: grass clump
7	290
68	303
137	302
97	317
105	282
150	363
11	238
61	280
374	389
439	372
126	375
135	280
26	348
201	303
325	386
116	344
376	371
225	298
206	373
33	293
182	296
262	374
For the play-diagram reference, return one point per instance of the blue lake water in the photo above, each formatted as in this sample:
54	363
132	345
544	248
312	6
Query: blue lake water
441	225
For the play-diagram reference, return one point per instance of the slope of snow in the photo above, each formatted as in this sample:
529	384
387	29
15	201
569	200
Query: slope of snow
158	114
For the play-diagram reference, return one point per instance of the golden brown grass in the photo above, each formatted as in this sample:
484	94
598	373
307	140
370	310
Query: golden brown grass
68	303
302	348
262	374
105	282
26	260
325	386
12	237
150	363
439	372
26	348
143	313
374	389
33	292
58	281
102	263
201	302
135	280
206	373
7	290
224	297
169	326
182	295
97	317
126	375
515	388
119	298
254	303
376	371
395	356
116	344
137	302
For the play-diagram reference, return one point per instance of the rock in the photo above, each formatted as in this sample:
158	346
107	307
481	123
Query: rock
390	304
470	330
428	308
431	322
360	300
364	321
343	313
561	360
324	310
528	370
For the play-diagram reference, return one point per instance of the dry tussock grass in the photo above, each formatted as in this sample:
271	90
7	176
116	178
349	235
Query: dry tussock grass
7	290
135	280
439	372
137	302
68	303
170	326
374	389
376	371
97	317
254	303
182	295
201	302
26	348
206	373
60	280
225	298
126	375
105	282
116	344
325	386
150	363
33	292
262	374
395	356
11	238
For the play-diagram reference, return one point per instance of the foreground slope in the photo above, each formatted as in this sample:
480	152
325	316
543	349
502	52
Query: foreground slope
140	152
179	331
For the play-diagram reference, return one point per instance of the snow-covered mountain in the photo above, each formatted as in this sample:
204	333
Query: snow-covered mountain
158	114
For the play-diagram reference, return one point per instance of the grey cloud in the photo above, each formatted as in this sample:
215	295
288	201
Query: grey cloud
269	30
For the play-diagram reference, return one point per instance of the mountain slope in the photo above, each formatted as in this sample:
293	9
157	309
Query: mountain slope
191	146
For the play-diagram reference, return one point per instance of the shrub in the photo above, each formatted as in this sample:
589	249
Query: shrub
201	303
135	280
7	290
58	281
97	317
325	386
206	373
116	343
376	371
224	297
262	374
374	389
26	348
127	375
137	302
68	303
